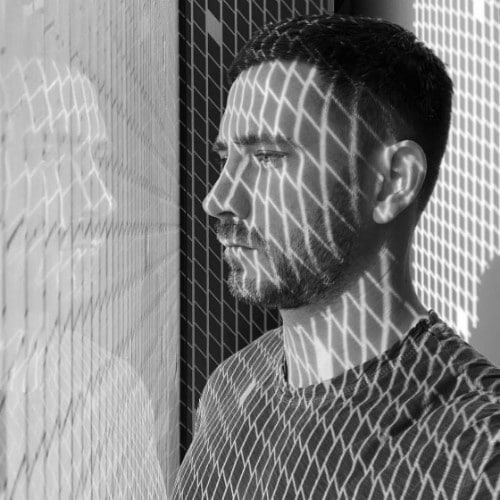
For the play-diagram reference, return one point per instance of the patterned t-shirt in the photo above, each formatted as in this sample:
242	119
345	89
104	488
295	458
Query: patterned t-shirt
420	421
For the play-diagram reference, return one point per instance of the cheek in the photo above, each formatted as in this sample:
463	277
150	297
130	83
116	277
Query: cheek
337	160
288	210
276	205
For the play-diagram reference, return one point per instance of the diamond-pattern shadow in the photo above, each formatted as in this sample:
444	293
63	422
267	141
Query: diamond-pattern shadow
213	324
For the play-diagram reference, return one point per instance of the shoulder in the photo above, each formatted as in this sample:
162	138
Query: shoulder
255	362
463	399
260	353
479	375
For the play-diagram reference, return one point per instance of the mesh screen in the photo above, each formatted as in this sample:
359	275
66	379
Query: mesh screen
459	234
213	324
88	248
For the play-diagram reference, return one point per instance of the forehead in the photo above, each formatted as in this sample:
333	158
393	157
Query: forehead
44	96
274	97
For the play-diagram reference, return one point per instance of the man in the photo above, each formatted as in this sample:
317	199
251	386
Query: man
330	144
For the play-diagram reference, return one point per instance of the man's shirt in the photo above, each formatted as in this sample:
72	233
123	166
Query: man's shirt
420	421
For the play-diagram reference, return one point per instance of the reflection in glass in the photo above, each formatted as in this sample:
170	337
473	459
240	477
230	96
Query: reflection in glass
77	419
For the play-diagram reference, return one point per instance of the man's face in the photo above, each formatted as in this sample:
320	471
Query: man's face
55	191
289	195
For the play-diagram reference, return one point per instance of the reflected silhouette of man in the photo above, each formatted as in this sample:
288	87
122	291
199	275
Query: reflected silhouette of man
78	420
330	147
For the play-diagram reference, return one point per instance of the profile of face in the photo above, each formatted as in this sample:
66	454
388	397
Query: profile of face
291	196
56	216
55	193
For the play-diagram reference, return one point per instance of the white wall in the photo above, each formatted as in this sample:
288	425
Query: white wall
457	261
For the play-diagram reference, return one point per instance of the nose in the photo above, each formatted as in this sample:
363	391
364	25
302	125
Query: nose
230	195
97	198
102	200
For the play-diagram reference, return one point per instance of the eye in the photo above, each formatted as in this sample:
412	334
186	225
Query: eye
268	158
99	151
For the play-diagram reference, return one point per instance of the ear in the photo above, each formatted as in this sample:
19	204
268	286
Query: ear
402	170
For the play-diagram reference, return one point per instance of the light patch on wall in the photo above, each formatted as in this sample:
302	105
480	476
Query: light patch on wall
479	10
214	27
463	323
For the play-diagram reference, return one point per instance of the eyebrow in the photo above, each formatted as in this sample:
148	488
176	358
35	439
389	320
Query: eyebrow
253	140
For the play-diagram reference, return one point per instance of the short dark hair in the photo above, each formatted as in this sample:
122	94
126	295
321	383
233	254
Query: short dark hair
374	65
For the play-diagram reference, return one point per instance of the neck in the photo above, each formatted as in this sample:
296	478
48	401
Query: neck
374	310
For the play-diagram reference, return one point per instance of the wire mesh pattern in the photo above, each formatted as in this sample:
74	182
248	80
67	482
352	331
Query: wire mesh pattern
89	248
459	234
213	324
419	422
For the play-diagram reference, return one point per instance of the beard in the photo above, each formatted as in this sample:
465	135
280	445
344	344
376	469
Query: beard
311	274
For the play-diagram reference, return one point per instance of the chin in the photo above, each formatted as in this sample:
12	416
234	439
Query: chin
267	294
294	284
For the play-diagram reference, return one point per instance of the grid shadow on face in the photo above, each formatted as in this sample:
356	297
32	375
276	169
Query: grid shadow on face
213	324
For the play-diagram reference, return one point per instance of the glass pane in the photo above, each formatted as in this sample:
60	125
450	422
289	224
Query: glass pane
88	249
